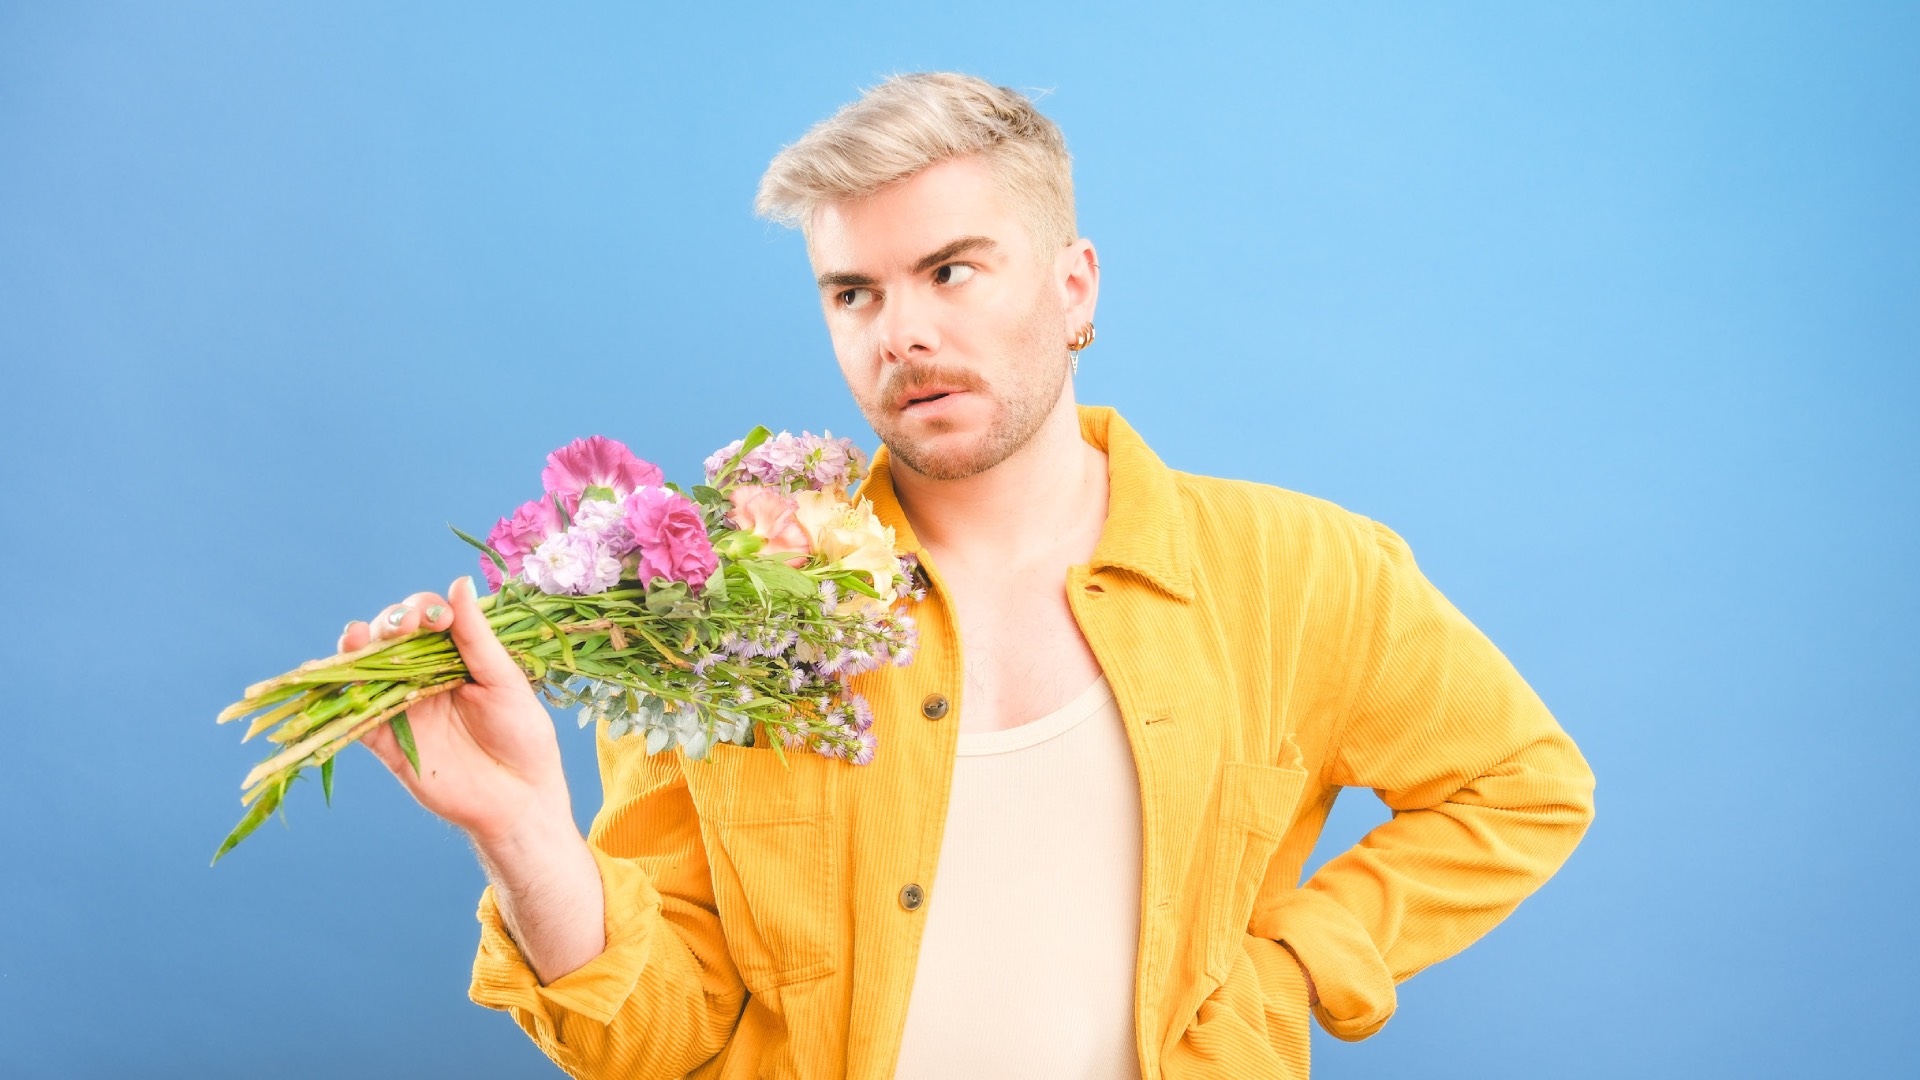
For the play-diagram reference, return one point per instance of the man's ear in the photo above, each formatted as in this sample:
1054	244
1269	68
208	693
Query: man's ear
1077	272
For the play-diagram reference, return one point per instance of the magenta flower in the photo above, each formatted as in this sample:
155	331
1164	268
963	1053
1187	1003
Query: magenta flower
597	461
669	536
515	537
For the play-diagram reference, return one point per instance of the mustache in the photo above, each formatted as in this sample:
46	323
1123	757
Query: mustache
904	382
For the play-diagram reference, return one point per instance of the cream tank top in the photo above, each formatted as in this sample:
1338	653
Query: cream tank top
1033	917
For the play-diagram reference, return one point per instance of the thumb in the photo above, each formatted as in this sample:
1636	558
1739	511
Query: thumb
486	659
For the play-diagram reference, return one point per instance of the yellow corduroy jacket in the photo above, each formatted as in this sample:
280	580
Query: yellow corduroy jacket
1266	649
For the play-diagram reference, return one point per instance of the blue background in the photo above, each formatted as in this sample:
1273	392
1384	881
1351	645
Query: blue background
1611	313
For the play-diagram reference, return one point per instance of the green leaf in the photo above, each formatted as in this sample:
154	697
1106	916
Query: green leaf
403	734
779	577
662	599
281	795
735	545
326	780
261	810
498	560
752	576
566	644
857	581
747	445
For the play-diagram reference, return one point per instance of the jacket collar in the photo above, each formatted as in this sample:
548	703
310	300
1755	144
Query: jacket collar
1145	531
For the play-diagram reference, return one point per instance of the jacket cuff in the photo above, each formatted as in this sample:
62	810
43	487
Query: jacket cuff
1356	989
502	978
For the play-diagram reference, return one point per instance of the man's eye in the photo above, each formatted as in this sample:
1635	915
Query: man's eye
854	299
953	274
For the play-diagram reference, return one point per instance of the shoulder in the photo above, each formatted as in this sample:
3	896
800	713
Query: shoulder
1245	519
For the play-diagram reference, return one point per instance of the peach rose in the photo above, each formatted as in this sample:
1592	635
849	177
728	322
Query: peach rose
770	515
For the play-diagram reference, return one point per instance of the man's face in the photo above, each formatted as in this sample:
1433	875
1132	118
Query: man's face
949	325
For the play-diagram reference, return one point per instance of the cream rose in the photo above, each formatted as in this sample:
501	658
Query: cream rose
852	536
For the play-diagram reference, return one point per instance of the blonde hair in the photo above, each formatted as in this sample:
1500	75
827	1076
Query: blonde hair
910	122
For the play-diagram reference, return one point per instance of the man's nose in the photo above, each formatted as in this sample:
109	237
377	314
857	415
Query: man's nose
908	329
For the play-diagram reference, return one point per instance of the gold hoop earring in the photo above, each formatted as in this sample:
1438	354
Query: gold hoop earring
1081	340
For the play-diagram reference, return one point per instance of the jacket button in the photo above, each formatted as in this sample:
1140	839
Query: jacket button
912	897
934	707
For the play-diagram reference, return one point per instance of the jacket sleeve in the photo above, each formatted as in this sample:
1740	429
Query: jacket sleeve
664	996
1489	798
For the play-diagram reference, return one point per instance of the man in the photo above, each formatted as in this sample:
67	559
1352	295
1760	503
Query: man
1077	851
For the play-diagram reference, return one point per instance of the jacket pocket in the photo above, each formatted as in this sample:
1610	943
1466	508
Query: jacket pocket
1256	804
1252	1024
774	855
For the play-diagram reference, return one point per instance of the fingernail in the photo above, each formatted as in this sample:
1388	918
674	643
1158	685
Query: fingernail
435	612
347	629
399	616
464	587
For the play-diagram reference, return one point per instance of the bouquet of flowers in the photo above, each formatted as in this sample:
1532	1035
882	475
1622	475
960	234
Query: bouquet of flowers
735	611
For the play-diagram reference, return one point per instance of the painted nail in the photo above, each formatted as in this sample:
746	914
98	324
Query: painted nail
435	612
399	616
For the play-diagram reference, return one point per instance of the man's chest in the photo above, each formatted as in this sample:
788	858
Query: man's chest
1022	653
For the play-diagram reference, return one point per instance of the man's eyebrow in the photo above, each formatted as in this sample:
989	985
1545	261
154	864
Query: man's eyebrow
849	279
963	246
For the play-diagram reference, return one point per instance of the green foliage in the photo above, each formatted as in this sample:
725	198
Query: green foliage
498	559
262	809
403	734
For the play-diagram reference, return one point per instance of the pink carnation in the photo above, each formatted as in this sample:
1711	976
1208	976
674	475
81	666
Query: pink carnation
670	537
597	461
769	514
515	537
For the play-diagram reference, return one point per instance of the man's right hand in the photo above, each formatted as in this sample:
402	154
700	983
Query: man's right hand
489	758
490	763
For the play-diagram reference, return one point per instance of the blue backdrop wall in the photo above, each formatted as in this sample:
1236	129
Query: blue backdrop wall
1610	312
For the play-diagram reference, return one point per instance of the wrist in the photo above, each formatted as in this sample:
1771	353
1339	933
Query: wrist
521	849
1313	993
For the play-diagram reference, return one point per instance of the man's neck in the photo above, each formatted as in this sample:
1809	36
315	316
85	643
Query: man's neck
1050	492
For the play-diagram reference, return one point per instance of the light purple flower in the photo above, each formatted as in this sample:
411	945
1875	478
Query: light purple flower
573	564
719	458
606	521
670	536
803	462
863	754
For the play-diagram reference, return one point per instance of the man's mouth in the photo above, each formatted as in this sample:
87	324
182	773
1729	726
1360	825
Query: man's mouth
924	396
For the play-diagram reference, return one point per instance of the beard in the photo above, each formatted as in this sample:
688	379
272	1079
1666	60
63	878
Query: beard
1017	409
